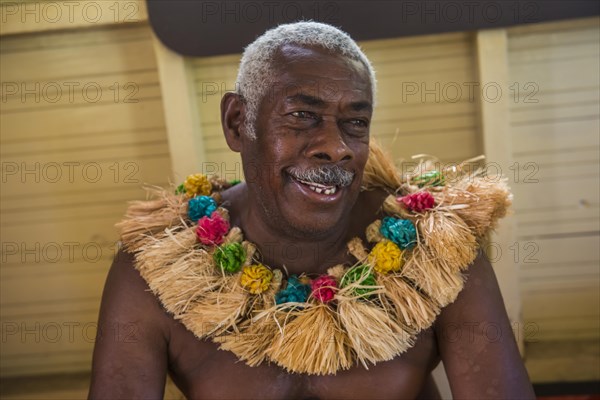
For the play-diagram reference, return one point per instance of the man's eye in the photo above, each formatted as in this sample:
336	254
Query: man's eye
303	115
359	123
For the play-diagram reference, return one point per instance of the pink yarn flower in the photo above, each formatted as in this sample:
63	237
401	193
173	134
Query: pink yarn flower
418	202
324	288
211	230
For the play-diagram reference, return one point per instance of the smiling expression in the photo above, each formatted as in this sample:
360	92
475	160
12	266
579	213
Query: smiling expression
304	169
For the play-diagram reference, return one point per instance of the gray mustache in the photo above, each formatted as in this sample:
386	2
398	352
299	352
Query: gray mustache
329	175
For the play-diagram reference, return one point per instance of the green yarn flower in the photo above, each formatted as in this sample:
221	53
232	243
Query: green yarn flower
430	178
364	276
230	257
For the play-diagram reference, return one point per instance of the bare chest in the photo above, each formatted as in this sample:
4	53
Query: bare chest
202	371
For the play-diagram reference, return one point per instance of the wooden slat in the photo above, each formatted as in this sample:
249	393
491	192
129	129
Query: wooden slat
74	143
66	39
51	288
124	116
533	35
87	92
544	136
557	75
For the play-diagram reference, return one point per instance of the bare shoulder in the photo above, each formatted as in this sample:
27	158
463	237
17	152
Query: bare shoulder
130	355
476	341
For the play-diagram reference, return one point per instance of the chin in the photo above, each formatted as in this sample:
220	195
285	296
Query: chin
309	227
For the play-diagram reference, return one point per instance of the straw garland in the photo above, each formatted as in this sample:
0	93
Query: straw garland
212	280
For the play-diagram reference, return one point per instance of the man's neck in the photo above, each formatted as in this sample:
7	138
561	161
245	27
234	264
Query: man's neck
299	253
296	253
309	255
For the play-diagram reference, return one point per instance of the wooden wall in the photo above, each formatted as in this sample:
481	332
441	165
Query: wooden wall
82	129
555	131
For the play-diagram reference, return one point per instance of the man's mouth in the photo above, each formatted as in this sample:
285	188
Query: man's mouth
319	188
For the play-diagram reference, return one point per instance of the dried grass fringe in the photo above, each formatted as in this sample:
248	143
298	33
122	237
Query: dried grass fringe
374	334
254	338
487	201
218	311
448	238
380	171
148	219
433	276
312	343
413	309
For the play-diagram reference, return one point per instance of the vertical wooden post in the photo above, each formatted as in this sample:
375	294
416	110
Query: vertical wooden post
186	144
497	145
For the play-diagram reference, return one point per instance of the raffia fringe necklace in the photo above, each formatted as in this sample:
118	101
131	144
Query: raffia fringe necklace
208	277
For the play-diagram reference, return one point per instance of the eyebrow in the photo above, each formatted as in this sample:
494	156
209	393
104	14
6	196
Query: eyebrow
306	99
317	102
362	106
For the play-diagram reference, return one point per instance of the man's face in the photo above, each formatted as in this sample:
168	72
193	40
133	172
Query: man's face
304	169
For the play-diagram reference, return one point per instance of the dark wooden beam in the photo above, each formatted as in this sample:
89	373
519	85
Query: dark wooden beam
205	28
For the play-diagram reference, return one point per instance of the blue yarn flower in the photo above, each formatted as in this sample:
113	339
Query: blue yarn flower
295	292
400	231
201	206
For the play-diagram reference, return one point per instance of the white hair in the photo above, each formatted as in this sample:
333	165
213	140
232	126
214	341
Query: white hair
256	71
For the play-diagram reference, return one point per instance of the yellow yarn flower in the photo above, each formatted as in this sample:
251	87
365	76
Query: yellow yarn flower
386	257
197	184
256	278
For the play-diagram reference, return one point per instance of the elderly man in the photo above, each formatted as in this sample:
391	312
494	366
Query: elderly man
325	274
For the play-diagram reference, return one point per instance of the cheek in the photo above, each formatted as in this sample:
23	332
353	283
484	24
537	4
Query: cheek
361	154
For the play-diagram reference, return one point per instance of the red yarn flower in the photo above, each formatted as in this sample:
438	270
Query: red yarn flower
418	202
211	230
324	288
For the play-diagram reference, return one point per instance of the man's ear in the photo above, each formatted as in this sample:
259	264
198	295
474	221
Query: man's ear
233	116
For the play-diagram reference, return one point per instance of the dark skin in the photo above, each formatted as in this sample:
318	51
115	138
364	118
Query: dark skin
320	116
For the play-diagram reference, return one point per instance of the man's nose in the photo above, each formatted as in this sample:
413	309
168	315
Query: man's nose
329	144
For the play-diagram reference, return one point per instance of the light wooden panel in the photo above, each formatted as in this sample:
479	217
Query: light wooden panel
423	100
556	135
26	16
71	159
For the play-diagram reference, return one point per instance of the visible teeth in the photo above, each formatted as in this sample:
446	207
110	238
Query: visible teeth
318	188
330	190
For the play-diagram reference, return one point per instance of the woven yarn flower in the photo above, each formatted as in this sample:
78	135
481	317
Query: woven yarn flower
386	257
211	230
256	278
197	184
201	206
430	178
418	202
230	257
294	292
400	231
363	276
324	288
